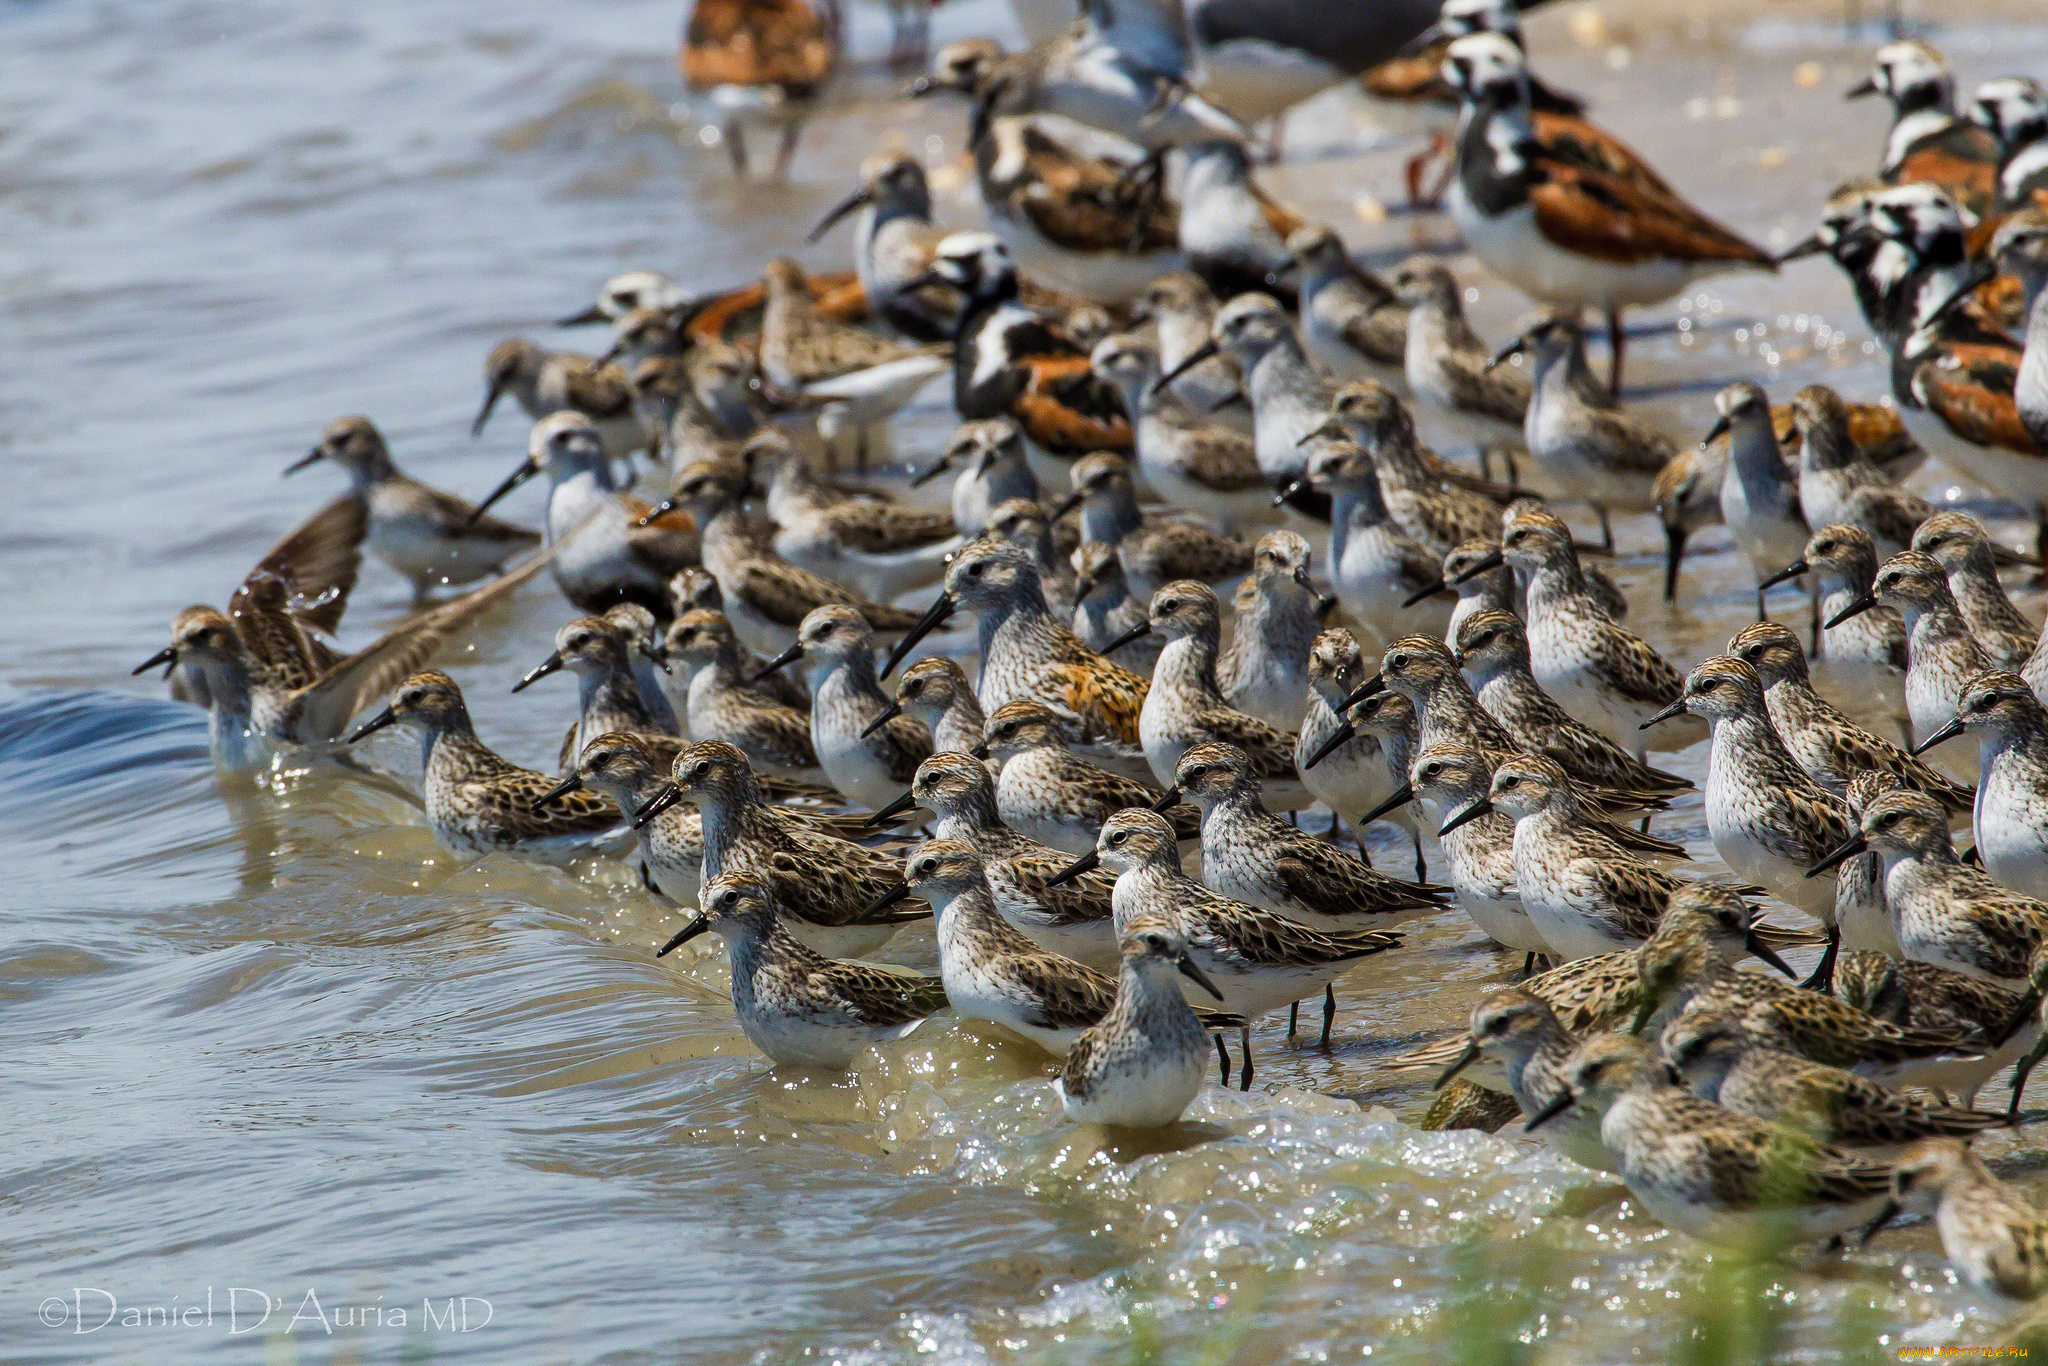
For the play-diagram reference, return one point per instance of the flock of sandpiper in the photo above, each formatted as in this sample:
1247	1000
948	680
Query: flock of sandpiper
1158	328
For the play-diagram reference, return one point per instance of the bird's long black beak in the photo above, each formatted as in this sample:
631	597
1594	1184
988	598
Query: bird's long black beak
1330	428
539	671
1870	1230
527	469
1950	731
930	472
698	924
483	414
376	723
980	751
1187	967
1422	40
1465	1060
1402	795
1288	490
1138	632
900	892
667	795
860	197
889	713
1420	595
1675	709
312	457
1073	870
1482	807
1345	731
592	314
1674	556
1721	425
560	790
168	657
1866	86
1806	246
1168	799
1494	560
1854	609
1189	362
893	809
1565	1100
1790	571
1069	503
1377	683
1507	353
1840	854
781	661
1768	954
934	616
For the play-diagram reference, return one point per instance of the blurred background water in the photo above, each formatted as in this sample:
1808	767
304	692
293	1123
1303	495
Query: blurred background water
274	1038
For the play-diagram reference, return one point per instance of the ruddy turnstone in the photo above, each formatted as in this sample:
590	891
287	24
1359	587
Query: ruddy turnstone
760	62
1927	142
2020	246
2010	819
2014	110
1141	1065
601	553
799	1008
425	534
1568	228
477	802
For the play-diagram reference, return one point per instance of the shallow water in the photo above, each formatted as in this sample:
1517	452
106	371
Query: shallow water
275	1041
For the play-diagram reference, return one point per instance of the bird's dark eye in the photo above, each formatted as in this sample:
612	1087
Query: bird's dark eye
1510	782
974	570
1120	837
928	867
702	770
1007	728
1888	821
1497	1025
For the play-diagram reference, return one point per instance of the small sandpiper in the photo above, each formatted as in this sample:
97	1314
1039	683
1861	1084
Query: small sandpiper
1721	1177
1192	460
1234	233
1436	512
1447	366
1028	525
1578	436
825	888
994	468
883	549
1770	822
1382	575
870	765
1585	893
647	651
1249	855
1105	609
607	545
608	694
1957	542
1183	313
1263	671
799	1008
1828	746
1838	483
1520	1034
1258	960
1607	676
1352	776
1759	498
429	536
2011	813
1155	550
1688	493
1493	650
1864	652
1351	320
1070	918
722	707
477	802
1447	779
1724	1064
1941	653
936	692
1290	395
1946	912
549	382
1027	653
1482	590
894	240
694	590
766	597
1143	1063
991	971
1992	1234
631	769
1184	706
1045	793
